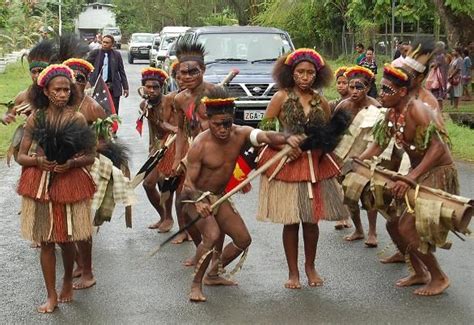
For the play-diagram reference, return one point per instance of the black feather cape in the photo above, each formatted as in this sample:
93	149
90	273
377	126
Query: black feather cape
326	137
61	140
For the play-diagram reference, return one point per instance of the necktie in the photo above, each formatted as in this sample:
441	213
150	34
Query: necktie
105	67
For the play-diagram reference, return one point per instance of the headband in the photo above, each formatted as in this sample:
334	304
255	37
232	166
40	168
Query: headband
359	72
219	105
52	71
196	58
38	64
396	75
79	64
154	74
340	72
305	54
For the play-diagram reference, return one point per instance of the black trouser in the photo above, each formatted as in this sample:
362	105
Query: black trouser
116	101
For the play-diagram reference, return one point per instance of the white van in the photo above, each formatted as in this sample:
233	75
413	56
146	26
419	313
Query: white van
168	35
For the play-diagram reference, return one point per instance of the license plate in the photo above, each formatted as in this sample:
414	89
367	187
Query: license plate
144	51
253	115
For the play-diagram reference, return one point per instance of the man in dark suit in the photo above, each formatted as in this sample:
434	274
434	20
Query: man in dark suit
108	64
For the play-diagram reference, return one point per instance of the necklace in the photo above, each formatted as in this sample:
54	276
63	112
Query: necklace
397	123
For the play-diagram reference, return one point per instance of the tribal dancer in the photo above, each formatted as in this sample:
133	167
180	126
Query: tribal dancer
87	105
416	65
364	110
342	87
159	111
190	112
55	184
210	163
414	128
304	190
91	111
38	59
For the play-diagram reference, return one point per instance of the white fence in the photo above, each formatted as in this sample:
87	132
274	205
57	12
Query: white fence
10	58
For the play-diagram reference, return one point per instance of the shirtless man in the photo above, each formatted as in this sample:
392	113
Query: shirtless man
431	165
190	113
159	111
416	65
359	102
91	111
210	163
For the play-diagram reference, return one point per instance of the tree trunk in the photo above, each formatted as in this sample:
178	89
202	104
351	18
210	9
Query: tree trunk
458	26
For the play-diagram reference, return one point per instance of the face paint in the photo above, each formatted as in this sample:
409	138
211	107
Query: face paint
54	98
226	124
387	90
81	79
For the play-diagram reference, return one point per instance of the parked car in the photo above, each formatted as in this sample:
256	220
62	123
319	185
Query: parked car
171	56
139	46
155	44
163	50
253	51
116	33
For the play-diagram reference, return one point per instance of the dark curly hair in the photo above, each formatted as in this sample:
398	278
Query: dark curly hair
283	75
39	100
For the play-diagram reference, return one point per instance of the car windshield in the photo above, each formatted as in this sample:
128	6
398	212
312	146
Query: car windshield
167	41
142	38
244	46
114	32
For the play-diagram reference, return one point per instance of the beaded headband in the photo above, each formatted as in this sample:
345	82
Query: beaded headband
154	74
305	54
359	72
414	64
396	75
79	64
38	64
52	71
340	72
219	105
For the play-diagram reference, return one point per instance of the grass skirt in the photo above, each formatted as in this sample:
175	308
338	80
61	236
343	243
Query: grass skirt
305	190
57	212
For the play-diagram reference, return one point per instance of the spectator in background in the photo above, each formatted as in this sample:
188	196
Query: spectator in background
94	45
360	51
466	74
437	79
454	76
369	62
398	51
403	50
108	65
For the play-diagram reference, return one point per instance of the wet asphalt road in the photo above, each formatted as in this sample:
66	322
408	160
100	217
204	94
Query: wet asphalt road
133	288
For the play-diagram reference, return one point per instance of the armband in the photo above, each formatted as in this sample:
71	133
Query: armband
253	137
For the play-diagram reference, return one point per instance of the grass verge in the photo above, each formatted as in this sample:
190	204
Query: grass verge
15	79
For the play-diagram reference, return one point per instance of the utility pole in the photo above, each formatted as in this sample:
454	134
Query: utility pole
60	18
393	29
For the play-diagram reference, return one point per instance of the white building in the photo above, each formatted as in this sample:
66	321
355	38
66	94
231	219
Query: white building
94	18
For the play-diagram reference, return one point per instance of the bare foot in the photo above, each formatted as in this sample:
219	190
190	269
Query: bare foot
84	283
355	236
395	258
371	241
339	225
434	287
293	282
66	293
155	225
189	262
196	294
413	279
49	306
314	280
77	272
181	238
217	280
166	225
